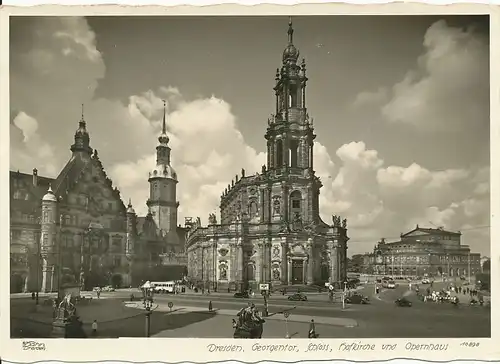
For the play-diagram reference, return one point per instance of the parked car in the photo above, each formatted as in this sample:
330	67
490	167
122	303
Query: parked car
357	299
425	281
108	289
298	297
241	295
391	284
403	302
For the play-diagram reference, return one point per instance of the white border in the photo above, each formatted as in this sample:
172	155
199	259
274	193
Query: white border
178	350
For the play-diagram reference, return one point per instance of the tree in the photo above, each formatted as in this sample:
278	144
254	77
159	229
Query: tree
116	280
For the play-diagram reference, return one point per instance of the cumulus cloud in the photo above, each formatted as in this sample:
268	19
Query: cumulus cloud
208	150
453	68
26	144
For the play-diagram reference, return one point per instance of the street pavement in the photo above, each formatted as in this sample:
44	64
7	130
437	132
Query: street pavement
380	319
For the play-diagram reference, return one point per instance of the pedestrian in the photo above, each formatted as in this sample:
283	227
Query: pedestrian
312	330
94	328
228	290
33	296
98	293
210	307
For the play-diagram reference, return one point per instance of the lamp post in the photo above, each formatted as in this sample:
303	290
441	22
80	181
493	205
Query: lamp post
148	292
59	258
343	295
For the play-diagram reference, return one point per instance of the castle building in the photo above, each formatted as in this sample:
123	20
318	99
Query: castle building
424	252
75	228
271	230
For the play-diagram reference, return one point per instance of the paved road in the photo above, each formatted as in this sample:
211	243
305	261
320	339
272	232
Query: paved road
381	318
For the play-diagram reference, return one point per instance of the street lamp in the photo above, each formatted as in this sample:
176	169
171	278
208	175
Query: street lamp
148	292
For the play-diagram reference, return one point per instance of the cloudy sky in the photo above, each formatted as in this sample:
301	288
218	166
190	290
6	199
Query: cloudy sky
400	106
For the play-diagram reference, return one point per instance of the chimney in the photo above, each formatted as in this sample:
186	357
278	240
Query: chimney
35	177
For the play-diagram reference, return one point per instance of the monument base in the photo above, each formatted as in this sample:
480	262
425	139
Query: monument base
59	327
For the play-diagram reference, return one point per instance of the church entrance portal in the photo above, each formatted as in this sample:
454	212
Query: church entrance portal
297	271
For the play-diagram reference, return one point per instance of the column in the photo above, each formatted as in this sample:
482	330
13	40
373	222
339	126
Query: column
267	257
334	277
45	276
259	264
241	264
310	263
262	206
52	277
26	282
289	270
305	265
284	262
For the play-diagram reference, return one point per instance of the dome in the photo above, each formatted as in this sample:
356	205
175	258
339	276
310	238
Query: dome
163	171
163	138
290	53
49	196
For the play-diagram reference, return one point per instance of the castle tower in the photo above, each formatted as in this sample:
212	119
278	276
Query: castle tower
81	146
162	202
290	140
48	241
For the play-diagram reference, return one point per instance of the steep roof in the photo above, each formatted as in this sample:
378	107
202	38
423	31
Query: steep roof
69	174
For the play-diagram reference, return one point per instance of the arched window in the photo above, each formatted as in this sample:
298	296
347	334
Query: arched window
293	153
253	209
295	203
250	272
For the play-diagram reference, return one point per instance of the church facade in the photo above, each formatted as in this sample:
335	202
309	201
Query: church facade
75	228
270	229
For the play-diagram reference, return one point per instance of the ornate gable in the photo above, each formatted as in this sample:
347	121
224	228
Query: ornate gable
92	188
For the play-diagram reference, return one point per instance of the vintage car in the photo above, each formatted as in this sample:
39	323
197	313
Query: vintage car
241	295
297	297
357	299
403	302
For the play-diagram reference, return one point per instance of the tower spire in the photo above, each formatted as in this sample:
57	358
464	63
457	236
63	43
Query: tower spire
290	31
164	128
82	139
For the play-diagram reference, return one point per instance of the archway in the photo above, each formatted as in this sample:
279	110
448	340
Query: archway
16	283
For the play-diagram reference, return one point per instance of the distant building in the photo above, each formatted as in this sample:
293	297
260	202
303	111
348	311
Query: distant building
425	251
75	227
485	264
271	230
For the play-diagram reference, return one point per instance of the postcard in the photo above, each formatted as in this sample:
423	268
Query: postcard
318	179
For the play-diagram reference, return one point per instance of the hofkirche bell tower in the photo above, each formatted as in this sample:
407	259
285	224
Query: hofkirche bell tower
270	229
162	202
290	140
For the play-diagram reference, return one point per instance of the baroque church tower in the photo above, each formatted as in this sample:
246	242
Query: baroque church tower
290	140
271	231
162	202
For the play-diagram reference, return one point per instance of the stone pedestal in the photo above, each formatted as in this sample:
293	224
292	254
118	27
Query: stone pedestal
59	327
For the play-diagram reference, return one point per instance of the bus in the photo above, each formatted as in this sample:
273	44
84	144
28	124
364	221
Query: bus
164	287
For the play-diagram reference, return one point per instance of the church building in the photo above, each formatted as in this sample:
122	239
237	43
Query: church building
270	229
75	228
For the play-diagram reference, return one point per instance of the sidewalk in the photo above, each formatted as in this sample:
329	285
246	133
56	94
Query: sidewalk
333	321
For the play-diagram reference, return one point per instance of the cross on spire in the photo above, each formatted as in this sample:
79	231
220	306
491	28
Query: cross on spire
290	31
164	127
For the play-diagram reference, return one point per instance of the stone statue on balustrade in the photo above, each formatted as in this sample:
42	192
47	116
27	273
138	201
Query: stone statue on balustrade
336	221
212	219
344	223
